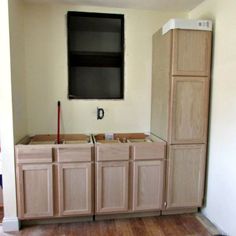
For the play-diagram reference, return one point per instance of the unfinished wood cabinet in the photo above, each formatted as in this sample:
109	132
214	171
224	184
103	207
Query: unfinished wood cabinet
112	186
55	180
35	190
147	185
180	107
75	188
189	110
180	85
185	175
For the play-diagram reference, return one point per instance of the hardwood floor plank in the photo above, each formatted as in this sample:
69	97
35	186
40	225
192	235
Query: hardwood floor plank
172	225
153	228
123	228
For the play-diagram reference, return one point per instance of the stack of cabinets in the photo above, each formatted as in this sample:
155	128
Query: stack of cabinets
59	180
180	98
54	181
129	177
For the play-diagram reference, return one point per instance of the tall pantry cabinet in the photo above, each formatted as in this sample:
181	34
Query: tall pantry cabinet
180	104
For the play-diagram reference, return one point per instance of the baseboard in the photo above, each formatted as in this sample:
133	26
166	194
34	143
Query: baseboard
10	224
57	220
126	215
212	228
179	211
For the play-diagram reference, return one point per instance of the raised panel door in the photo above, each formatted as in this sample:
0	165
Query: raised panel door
112	186
191	52
147	185
75	189
35	190
185	175
189	110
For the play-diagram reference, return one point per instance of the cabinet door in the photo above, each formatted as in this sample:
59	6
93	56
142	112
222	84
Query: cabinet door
112	186
189	110
185	175
147	185
35	190
75	189
191	52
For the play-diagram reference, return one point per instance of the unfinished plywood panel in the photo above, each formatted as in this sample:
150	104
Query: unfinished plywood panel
35	195
185	175
112	186
147	185
75	189
148	151
112	152
191	52
33	154
161	66
189	110
81	153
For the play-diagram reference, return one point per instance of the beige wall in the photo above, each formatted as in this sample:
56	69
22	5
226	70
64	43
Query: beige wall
16	21
221	191
46	72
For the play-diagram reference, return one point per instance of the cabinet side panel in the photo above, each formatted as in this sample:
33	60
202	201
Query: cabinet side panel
161	57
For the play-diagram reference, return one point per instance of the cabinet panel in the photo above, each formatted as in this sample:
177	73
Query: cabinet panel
185	175
191	52
35	196
33	155
112	187
189	110
147	151
75	189
75	154
161	66
147	185
112	152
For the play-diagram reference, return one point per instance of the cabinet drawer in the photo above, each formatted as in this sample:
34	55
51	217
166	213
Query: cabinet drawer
112	152
148	151
75	154
33	155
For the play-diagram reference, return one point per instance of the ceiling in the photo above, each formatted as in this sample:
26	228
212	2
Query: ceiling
161	5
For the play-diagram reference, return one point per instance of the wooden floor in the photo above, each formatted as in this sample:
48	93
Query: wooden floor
178	225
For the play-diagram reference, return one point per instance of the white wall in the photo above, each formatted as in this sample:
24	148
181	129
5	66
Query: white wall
46	72
221	188
6	123
16	21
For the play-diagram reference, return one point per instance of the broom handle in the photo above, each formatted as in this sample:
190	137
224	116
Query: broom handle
58	121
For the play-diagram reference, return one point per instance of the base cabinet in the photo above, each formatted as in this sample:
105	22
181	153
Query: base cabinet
35	195
112	186
185	175
54	181
147	185
75	195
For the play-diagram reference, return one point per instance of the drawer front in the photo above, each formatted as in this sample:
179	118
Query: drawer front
33	155
148	151
75	154
112	152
